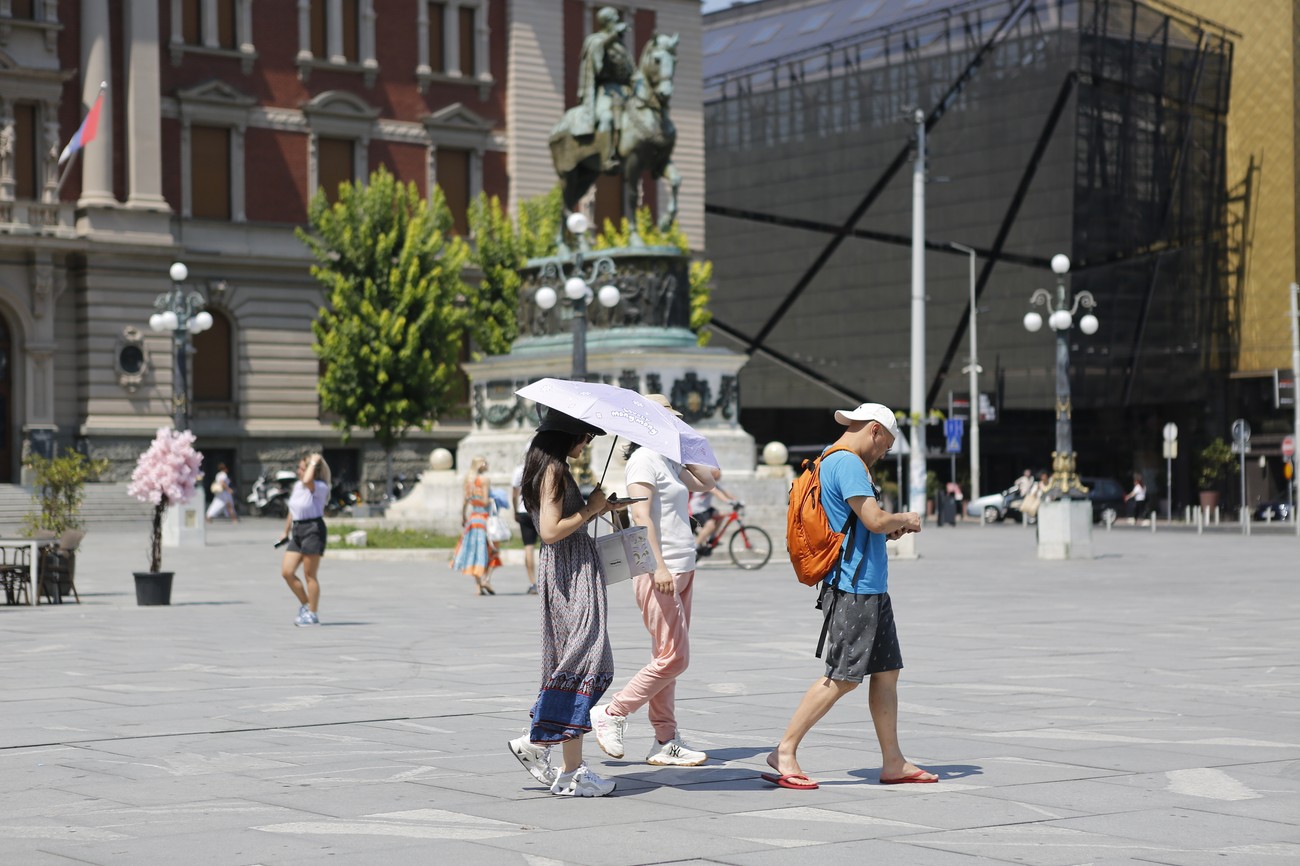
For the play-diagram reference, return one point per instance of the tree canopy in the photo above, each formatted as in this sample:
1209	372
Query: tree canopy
397	308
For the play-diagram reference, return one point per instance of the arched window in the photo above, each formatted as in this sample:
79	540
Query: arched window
214	368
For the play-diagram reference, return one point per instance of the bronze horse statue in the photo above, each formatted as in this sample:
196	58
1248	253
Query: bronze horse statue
646	137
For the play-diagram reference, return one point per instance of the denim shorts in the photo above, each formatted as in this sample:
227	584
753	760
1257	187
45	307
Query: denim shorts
307	537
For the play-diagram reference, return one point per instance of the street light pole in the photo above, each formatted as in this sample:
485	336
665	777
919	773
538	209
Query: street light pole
577	289
183	315
1065	480
974	370
916	467
1295	396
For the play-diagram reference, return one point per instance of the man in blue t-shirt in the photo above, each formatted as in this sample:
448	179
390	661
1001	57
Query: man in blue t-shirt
861	641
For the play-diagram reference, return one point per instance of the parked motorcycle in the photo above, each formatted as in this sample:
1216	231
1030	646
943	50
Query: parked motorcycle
270	494
342	498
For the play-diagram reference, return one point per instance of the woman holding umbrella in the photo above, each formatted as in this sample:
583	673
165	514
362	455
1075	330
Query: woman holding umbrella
577	662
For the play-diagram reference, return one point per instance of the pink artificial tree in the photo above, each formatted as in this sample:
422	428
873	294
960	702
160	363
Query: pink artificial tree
165	475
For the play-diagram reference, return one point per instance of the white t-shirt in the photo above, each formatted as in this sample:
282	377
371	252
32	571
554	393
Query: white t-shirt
669	510
517	482
308	503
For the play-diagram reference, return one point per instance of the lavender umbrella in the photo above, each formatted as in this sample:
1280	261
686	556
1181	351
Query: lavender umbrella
624	413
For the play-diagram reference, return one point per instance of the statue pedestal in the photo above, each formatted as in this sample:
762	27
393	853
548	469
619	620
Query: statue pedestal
642	344
1065	529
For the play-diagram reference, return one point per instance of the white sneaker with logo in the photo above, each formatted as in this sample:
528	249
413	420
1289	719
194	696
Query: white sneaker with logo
536	759
675	753
582	782
609	730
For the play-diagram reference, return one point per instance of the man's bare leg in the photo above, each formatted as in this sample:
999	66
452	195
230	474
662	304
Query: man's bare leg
882	697
817	702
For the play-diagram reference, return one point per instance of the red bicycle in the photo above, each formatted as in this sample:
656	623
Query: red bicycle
749	546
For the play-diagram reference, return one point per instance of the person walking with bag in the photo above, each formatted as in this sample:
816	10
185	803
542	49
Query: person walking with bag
304	532
861	641
577	661
476	554
664	598
527	531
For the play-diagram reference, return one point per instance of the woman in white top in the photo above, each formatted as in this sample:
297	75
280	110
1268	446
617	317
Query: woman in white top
304	532
665	601
1136	500
223	496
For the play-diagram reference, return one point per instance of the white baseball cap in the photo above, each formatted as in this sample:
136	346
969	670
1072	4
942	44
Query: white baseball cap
877	412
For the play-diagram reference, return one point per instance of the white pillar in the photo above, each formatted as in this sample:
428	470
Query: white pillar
334	31
97	66
450	39
916	465
143	110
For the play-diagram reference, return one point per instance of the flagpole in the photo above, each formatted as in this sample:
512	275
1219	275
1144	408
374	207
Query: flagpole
67	170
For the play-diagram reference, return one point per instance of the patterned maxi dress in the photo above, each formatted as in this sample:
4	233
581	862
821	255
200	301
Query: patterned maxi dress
476	555
577	662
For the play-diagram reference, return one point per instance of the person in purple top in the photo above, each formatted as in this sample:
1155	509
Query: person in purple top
304	532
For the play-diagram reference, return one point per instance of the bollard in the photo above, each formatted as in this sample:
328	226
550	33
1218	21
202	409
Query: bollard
1200	521
1216	515
1154	521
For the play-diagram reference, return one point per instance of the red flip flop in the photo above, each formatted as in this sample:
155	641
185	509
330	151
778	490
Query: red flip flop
910	779
787	781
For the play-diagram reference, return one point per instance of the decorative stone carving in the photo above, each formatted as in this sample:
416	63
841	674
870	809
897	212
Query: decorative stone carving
654	284
130	359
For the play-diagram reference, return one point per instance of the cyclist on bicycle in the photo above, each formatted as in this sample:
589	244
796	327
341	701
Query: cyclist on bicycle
705	518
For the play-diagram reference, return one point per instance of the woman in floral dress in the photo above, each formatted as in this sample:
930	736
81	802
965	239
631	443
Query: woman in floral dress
577	662
477	555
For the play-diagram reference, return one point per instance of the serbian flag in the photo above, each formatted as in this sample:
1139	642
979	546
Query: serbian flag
86	132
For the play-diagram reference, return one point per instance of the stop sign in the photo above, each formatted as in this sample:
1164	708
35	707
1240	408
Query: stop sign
1288	446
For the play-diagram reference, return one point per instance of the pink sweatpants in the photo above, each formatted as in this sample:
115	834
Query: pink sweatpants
668	619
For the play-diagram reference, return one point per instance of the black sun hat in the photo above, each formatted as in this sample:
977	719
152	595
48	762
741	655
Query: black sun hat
554	419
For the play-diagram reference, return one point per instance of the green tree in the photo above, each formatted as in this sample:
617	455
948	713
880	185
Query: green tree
60	486
397	307
499	254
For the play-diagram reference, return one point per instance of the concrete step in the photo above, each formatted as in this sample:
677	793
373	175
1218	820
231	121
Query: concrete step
103	503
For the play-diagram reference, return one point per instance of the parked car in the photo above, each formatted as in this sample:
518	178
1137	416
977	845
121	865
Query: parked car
1107	498
1267	511
995	506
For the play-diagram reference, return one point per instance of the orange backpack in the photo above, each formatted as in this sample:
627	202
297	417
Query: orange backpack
812	542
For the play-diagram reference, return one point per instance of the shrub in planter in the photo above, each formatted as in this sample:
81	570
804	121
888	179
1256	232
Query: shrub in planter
59	489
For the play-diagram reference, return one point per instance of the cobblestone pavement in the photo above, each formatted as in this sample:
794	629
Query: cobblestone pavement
1143	707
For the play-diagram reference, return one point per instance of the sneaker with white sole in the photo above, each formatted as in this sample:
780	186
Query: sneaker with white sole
304	618
536	759
675	753
582	782
609	730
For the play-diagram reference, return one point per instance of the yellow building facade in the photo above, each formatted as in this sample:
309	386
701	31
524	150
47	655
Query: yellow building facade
1264	131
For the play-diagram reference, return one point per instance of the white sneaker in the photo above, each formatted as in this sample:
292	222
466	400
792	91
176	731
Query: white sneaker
609	730
582	782
675	753
536	760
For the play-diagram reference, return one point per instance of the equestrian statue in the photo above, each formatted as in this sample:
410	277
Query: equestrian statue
620	125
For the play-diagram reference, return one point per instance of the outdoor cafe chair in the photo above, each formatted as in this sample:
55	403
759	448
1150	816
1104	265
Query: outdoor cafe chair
59	567
15	572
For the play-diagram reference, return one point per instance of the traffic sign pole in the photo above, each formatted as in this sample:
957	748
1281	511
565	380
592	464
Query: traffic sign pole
1295	387
1170	434
1288	467
1241	438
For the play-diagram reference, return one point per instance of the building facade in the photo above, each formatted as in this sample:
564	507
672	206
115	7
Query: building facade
1094	128
220	120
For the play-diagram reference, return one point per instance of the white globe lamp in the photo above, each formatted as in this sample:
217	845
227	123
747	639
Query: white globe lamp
178	272
545	297
575	288
1060	264
609	296
169	321
1060	320
577	223
1033	322
203	321
156	322
1089	324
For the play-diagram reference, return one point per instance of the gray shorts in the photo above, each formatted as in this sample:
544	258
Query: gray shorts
860	639
307	537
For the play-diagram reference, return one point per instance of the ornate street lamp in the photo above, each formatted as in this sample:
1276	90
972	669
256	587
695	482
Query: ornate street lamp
183	315
577	288
1061	311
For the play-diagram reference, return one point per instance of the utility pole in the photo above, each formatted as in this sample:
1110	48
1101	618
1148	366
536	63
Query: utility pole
974	370
916	480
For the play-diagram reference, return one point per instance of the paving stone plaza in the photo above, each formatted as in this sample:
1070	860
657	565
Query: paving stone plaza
1143	707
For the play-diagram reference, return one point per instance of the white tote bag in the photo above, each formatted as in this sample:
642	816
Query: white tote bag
498	530
625	553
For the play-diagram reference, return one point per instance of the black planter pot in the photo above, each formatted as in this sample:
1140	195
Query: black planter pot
153	587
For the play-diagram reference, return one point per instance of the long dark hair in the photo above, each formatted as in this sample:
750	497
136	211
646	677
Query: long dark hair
548	453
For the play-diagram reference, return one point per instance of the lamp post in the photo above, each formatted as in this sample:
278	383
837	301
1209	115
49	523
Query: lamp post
576	285
974	369
183	315
1061	309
